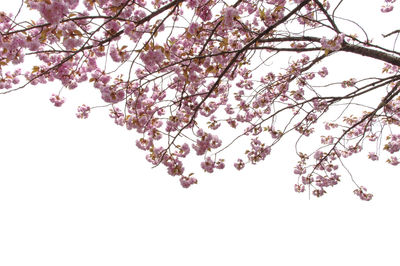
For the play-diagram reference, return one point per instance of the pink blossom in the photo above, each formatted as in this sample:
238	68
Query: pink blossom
299	188
83	112
152	57
183	151
208	165
52	11
387	8
393	160
192	29
298	170
319	192
373	156
115	55
229	14
220	164
258	152
362	193
323	72
318	155
144	144
57	100
118	115
239	164
175	167
187	181
349	83
307	180
193	3
334	44
204	13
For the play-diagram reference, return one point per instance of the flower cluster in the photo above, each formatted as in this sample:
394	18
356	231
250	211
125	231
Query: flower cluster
334	44
187	181
208	165
349	83
83	111
239	165
362	193
258	151
206	142
394	144
299	188
118	116
229	14
388	7
57	100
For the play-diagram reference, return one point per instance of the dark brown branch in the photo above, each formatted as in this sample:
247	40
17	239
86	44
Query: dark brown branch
346	47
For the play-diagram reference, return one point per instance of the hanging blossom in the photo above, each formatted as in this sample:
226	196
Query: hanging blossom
362	193
187	181
57	100
388	7
83	112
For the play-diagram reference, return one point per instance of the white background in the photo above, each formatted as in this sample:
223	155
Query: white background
76	192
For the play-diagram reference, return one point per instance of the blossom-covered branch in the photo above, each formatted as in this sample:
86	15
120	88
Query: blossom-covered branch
195	78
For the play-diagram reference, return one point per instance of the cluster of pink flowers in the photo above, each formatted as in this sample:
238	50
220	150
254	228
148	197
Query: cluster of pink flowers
83	111
388	7
299	170
394	144
10	79
116	54
183	151
299	188
322	181
144	144
258	151
334	44
362	193
134	32
323	172
373	156
208	165
318	155
271	15
349	83
307	180
239	165
118	116
393	160
204	12
229	14
152	58
323	72
206	142
174	166
391	69
112	95
53	11
57	100
187	181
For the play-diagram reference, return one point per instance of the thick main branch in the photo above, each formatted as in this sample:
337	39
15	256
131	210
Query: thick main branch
346	47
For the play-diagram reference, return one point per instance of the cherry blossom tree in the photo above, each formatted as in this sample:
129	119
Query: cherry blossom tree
198	78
